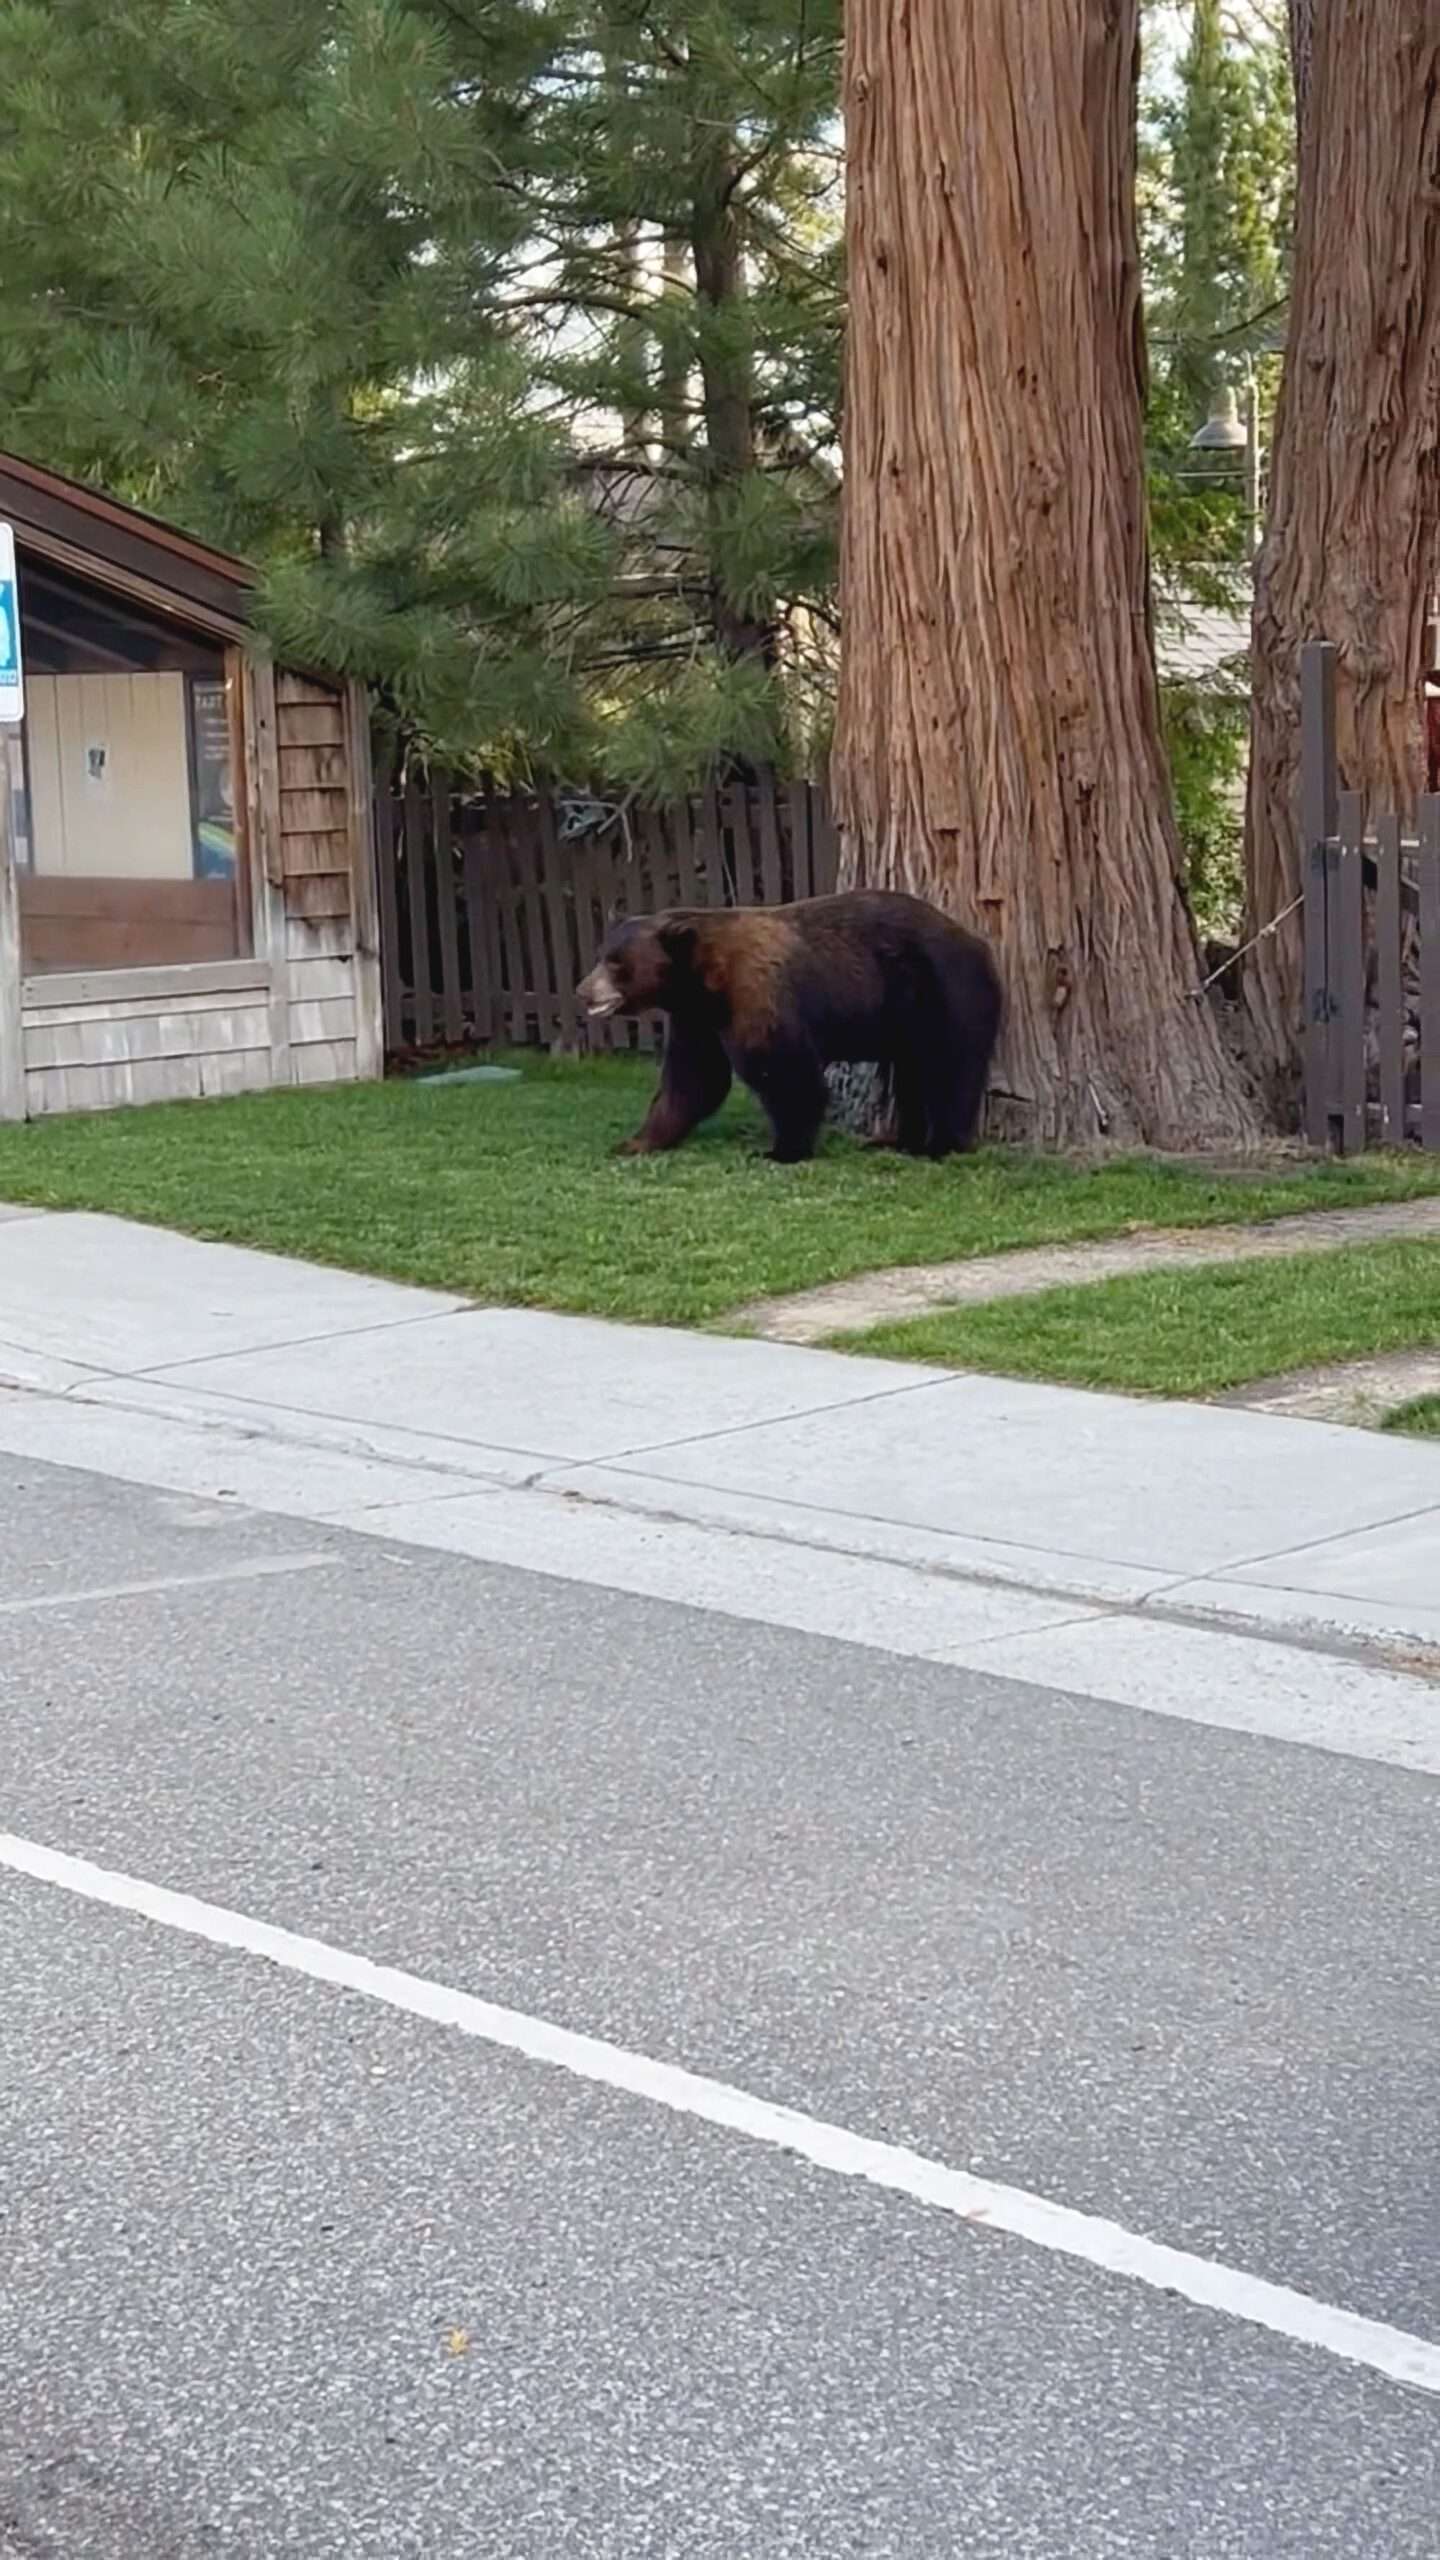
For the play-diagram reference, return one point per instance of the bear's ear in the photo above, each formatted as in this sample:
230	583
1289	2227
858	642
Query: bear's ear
676	937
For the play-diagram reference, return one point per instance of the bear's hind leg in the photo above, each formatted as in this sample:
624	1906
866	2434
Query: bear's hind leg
942	1076
956	1100
965	1029
912	1107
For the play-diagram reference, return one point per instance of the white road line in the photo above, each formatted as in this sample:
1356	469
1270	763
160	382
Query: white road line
979	2201
254	1569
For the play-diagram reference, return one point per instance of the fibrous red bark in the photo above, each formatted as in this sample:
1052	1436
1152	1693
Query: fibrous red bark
999	746
1352	547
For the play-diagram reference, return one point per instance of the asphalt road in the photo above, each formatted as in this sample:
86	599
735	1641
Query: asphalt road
287	2275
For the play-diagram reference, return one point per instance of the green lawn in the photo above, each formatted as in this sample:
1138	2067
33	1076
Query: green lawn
1193	1333
509	1193
1421	1420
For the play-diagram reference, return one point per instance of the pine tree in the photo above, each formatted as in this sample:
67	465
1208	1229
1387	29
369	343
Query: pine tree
335	281
1216	189
273	309
689	205
1220	170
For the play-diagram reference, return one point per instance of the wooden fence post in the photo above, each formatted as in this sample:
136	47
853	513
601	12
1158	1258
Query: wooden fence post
1319	865
1390	979
1345	929
479	926
447	912
1429	868
422	974
387	875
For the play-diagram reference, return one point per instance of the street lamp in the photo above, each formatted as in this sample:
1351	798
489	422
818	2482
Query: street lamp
1226	431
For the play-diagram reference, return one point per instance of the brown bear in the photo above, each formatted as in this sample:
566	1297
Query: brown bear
775	995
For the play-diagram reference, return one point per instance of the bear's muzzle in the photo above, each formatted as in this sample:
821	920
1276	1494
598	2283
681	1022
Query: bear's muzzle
599	994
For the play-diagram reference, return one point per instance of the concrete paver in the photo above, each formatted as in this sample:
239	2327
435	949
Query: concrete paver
349	1395
1382	1566
1177	1490
550	1387
114	1297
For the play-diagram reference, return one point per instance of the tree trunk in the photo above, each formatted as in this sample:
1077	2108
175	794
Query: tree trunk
1351	547
1302	38
999	747
728	391
673	383
632	347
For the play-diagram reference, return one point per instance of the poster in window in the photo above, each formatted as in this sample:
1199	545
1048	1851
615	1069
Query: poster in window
213	786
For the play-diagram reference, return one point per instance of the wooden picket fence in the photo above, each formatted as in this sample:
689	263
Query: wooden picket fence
493	906
1372	949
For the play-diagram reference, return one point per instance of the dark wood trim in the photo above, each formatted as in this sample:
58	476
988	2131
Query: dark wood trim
123	536
70	924
87	618
98	571
134	555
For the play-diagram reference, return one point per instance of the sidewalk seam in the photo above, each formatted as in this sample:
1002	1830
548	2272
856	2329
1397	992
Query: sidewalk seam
297	1342
1317	1632
162	1377
1321	1636
1309	1546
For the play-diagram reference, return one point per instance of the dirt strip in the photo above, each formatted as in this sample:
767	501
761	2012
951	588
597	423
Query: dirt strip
886	1297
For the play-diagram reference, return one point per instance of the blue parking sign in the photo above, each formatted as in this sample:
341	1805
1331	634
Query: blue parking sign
12	681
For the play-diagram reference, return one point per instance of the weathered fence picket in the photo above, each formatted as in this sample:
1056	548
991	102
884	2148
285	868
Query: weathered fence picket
1348	1088
1372	948
491	912
1390	979
1429	904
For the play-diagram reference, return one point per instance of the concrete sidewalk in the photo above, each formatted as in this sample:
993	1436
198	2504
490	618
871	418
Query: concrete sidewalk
967	1509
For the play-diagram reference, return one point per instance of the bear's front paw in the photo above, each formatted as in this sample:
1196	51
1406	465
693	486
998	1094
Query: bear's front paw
636	1146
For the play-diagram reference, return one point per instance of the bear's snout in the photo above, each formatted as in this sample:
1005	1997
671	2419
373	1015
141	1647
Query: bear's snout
599	993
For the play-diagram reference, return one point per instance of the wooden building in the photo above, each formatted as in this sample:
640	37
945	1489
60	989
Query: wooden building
188	902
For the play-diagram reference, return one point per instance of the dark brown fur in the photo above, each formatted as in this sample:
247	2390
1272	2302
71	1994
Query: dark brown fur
775	995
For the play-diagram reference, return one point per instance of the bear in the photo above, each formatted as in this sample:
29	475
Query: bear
775	995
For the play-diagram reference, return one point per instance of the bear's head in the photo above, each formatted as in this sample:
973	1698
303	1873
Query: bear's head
643	966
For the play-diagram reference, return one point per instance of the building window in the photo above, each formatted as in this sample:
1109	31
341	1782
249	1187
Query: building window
128	837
